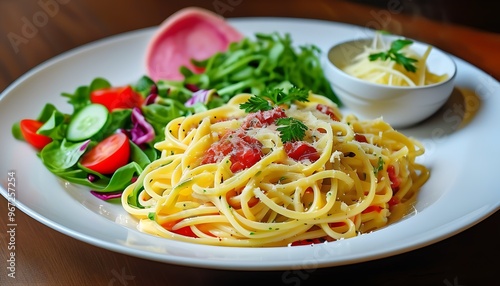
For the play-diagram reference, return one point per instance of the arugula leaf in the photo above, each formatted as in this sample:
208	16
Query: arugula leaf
291	129
253	65
175	90
394	54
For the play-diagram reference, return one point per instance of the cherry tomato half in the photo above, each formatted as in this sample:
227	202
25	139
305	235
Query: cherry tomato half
29	128
108	155
116	97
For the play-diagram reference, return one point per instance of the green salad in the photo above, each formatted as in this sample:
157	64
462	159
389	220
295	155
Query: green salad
108	138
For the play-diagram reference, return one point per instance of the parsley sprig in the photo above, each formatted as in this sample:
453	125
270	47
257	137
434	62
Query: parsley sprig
274	97
394	53
291	129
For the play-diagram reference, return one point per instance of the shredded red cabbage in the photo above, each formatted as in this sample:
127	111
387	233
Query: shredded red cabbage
141	132
192	87
106	196
199	96
84	145
150	99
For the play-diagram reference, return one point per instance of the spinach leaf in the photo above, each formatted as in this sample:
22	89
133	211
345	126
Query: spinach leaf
138	155
16	131
60	156
81	97
162	112
55	126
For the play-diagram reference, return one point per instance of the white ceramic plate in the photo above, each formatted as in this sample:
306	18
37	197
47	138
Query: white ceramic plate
462	190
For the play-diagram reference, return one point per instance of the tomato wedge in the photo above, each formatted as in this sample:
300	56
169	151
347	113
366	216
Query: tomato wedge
185	231
116	97
301	150
29	127
244	150
263	118
108	155
308	241
328	110
395	180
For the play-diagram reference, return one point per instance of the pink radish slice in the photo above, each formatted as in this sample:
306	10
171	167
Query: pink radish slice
190	33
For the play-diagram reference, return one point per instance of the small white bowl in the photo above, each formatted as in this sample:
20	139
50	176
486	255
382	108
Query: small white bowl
399	106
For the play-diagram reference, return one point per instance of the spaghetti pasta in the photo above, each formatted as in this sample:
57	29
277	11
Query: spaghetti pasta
227	178
390	72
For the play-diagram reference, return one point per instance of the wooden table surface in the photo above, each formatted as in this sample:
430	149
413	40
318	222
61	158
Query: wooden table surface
47	257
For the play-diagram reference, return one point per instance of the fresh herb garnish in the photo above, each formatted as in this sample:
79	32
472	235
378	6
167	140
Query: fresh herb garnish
152	216
291	129
394	54
274	97
380	166
256	103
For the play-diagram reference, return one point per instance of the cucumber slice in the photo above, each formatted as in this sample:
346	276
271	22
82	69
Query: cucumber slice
87	122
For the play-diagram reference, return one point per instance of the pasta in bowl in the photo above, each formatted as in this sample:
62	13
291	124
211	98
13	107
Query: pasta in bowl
258	172
402	80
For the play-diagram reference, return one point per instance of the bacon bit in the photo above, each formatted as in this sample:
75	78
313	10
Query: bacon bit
354	219
308	197
185	231
372	209
336	224
360	138
393	201
321	130
263	118
395	180
308	241
328	110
